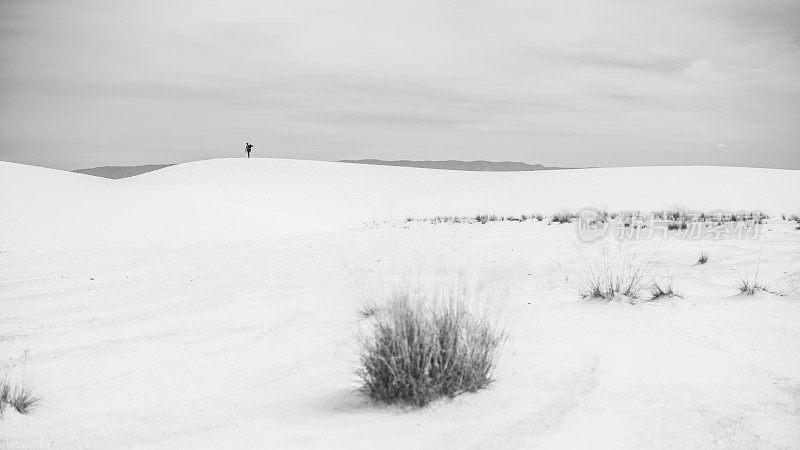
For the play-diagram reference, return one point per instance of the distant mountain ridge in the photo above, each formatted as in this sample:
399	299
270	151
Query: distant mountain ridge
475	166
117	172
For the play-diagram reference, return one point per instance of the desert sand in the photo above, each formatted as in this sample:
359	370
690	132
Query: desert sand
213	305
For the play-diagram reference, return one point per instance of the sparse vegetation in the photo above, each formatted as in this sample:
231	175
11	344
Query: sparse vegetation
676	218
426	346
564	216
537	216
747	286
672	215
19	398
793	218
662	290
479	218
634	219
623	281
445	219
604	216
484	218
677	225
703	258
750	287
594	217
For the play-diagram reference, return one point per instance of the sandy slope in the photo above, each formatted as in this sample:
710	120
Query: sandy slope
45	208
336	190
243	336
231	199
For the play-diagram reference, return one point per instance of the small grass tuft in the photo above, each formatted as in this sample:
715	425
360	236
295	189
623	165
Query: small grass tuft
703	258
622	281
20	398
662	290
747	286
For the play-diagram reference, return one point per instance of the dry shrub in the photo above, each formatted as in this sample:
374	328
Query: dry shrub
20	398
428	344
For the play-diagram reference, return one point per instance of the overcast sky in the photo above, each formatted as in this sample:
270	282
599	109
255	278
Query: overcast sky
561	82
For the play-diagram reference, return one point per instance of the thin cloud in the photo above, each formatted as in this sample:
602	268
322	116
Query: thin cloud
622	83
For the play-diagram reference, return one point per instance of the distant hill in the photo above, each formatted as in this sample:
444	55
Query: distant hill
476	166
117	172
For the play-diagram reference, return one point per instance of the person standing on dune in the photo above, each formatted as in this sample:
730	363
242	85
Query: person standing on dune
248	146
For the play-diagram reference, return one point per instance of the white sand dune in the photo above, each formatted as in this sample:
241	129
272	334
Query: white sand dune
44	208
211	304
379	192
228	199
